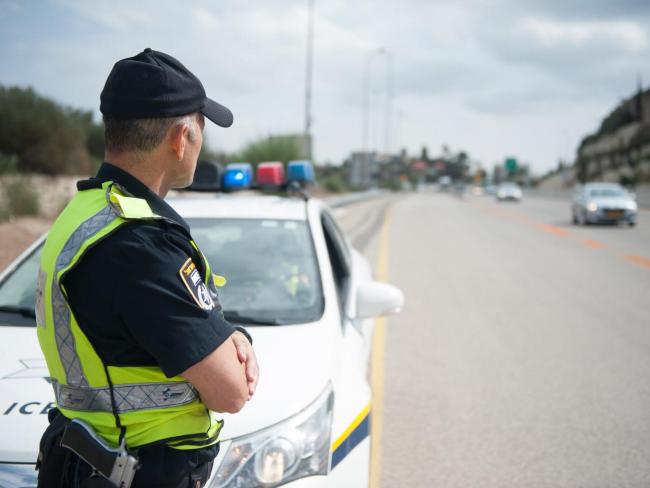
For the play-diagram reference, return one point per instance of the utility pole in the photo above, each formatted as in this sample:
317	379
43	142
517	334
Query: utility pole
389	95
366	98
308	76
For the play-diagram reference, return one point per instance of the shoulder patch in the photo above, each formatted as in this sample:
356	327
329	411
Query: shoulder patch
191	278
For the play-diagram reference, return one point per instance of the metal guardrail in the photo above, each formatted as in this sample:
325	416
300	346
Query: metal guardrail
349	198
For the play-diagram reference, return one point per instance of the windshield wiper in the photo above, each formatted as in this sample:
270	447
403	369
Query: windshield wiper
24	311
232	316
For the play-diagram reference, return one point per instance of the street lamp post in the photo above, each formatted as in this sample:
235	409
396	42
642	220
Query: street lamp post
366	99
308	77
389	96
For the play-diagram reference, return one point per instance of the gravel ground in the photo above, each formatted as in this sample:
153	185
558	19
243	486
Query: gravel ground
17	234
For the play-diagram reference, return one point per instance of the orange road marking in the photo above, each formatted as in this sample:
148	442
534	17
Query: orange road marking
593	244
552	229
639	260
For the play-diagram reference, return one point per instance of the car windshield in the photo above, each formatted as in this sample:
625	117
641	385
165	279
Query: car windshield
607	192
17	292
270	267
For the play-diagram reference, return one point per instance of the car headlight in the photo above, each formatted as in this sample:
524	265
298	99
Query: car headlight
294	448
592	206
632	206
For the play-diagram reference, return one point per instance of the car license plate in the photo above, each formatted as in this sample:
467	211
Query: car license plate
614	214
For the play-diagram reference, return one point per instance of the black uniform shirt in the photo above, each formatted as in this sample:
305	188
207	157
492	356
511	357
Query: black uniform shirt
128	296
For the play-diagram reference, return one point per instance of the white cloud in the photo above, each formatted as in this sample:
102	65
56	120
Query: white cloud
109	14
556	33
205	19
477	75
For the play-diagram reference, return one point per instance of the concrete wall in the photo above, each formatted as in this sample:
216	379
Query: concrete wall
53	191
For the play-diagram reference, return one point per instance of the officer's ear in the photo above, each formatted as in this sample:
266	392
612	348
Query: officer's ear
178	136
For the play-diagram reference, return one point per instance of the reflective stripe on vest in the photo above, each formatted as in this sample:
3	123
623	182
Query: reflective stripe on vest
127	397
152	407
60	309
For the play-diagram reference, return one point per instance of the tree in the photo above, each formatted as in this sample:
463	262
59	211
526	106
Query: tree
270	149
46	137
424	155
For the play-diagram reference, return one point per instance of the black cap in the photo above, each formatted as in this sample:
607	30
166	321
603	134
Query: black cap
154	84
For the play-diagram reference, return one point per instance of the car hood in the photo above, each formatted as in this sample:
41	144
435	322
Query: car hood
25	394
295	365
623	203
296	362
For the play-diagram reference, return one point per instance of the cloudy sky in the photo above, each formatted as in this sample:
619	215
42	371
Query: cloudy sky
526	78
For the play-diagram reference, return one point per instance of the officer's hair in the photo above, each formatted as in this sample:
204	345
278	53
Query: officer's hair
142	135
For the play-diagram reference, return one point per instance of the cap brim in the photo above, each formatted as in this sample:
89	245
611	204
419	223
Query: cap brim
217	113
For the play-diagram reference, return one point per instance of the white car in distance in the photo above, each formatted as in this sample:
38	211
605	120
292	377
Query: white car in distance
509	191
308	300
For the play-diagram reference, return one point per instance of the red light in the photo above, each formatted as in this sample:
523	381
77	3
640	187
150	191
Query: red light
270	174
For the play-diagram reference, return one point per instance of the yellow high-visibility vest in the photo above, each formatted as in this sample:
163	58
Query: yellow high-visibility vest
140	402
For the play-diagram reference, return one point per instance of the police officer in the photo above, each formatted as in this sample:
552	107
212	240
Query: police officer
128	314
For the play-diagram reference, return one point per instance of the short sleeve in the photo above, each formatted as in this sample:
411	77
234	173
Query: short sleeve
161	304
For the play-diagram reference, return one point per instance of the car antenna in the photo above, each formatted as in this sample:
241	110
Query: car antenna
294	188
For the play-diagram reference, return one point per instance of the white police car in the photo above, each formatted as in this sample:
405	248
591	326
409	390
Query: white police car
307	299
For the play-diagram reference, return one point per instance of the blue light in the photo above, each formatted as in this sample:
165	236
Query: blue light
237	176
301	170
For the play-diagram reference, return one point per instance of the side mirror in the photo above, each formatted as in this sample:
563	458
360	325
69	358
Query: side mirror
375	299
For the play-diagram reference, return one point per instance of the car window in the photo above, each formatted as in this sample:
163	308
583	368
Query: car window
18	291
270	267
340	258
607	192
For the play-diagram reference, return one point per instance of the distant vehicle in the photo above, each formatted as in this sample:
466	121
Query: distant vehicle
603	203
509	191
444	182
490	189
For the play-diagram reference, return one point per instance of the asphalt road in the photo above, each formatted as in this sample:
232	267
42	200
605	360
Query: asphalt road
522	356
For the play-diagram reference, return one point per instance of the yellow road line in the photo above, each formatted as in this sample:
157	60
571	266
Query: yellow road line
378	347
355	423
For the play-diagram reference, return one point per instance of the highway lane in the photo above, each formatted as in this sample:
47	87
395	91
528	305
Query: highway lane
522	357
557	213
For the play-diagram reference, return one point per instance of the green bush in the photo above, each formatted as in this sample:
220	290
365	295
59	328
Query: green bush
393	184
4	213
46	137
20	198
335	184
276	148
8	163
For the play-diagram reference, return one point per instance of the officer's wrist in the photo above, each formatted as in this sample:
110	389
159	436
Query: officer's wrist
239	328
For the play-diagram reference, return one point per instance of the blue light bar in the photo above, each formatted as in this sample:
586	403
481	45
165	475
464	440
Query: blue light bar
238	176
301	171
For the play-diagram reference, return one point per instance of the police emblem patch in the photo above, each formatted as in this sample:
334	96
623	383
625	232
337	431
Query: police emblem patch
192	280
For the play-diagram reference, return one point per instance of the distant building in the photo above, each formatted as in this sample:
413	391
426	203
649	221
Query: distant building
620	150
361	169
